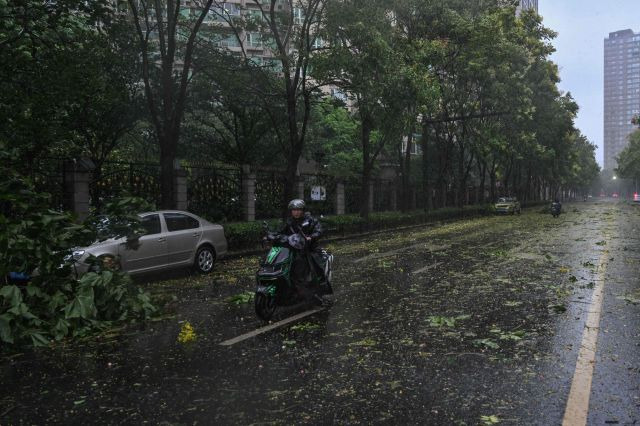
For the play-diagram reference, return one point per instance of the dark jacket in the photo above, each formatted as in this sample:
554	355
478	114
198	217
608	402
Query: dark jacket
309	225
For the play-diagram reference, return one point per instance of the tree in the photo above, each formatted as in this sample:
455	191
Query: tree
629	158
365	65
333	139
290	29
477	67
53	305
37	40
168	38
105	102
236	116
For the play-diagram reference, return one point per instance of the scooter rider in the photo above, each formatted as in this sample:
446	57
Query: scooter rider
305	224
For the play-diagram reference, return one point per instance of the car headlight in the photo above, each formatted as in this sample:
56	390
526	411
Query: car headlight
75	255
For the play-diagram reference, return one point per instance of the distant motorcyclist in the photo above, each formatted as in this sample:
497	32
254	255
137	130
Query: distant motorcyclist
299	222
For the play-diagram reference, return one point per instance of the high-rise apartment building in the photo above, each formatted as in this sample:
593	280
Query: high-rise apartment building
621	91
527	4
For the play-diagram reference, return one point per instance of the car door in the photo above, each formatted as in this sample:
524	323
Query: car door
183	236
150	252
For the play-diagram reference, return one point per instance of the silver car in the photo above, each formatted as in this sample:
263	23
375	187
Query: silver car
173	239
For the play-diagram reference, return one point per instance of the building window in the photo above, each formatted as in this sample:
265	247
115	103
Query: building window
254	40
318	43
229	41
298	15
232	9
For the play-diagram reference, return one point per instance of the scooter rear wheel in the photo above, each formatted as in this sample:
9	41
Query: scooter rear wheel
265	306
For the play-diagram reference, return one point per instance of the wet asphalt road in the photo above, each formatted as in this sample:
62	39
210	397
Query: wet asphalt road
473	322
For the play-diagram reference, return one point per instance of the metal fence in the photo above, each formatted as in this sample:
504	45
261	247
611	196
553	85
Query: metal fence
384	195
352	196
215	193
119	178
269	193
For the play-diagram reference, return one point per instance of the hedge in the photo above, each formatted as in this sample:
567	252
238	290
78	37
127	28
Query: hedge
244	235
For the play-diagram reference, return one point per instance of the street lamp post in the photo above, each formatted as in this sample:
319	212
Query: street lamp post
635	120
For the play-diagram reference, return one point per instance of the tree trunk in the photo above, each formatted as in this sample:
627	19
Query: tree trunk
366	168
492	182
96	177
406	175
462	178
294	150
482	171
167	168
426	183
289	191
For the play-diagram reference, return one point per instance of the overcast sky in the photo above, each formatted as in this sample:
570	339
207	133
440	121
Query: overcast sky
582	26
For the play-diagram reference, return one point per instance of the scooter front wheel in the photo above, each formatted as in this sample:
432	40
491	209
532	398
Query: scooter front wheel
265	306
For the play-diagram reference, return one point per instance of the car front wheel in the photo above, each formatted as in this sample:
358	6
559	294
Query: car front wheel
205	259
106	262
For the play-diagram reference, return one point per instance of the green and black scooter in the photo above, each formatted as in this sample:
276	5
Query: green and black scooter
274	279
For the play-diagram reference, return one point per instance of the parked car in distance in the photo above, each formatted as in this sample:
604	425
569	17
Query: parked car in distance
508	205
173	239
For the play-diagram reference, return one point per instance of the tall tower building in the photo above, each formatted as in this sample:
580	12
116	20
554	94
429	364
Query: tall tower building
621	91
527	4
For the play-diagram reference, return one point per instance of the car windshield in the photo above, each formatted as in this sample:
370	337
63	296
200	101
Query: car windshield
503	200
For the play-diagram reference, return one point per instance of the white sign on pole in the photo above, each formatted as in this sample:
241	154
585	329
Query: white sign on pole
318	193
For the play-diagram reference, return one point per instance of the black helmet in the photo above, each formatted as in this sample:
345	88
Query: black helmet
296	204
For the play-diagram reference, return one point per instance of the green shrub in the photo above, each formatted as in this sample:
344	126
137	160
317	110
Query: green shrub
53	305
243	235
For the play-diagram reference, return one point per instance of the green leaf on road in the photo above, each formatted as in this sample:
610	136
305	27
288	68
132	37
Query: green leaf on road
489	420
634	300
241	298
488	343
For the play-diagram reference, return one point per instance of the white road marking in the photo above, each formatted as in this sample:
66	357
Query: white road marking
577	408
270	327
426	268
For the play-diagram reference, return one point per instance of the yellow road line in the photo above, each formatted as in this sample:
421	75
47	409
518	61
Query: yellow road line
577	408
